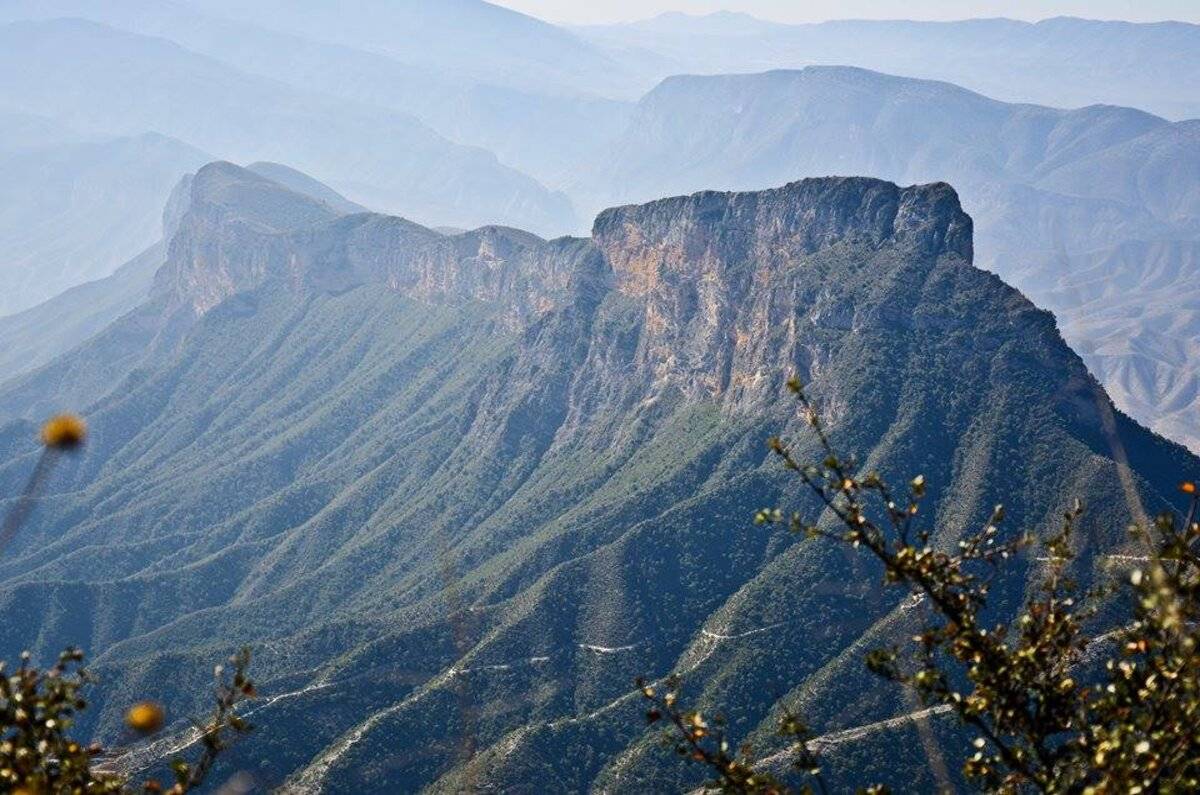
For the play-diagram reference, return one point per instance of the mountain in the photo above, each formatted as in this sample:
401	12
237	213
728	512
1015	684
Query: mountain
103	329
21	132
477	108
299	182
1055	195
33	337
72	212
1063	62
468	38
1132	316
98	78
459	490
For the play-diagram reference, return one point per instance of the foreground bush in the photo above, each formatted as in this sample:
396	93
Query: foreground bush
38	708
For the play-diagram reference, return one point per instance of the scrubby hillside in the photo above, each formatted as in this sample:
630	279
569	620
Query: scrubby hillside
458	491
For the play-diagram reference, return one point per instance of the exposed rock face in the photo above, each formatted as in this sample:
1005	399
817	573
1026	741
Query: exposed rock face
243	230
721	274
1091	212
222	244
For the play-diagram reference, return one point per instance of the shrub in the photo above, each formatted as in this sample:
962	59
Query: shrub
38	708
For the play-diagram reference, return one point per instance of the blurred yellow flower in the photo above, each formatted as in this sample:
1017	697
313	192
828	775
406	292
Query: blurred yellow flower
64	432
145	717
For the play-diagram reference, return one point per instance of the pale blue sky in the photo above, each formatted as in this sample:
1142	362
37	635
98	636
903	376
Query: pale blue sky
592	11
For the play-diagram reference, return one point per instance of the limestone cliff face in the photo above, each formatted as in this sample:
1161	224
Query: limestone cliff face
709	296
733	283
224	241
240	230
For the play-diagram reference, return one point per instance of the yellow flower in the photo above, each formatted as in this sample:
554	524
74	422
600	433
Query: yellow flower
64	432
145	717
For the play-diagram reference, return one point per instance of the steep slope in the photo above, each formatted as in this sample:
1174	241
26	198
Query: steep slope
99	78
1053	192
459	490
299	182
1064	62
32	338
147	308
74	212
1138	330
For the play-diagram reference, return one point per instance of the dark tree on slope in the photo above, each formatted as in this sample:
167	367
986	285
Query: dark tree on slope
1045	719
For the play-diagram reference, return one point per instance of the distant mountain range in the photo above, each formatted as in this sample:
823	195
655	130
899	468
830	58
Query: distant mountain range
478	74
1063	62
458	490
489	116
100	79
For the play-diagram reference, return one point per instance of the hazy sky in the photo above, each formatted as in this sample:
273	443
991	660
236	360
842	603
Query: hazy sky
589	11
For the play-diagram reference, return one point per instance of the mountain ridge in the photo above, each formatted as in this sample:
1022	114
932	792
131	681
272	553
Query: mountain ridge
568	440
1062	62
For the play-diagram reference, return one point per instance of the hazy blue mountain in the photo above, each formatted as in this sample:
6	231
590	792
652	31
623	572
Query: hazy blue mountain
33	337
1131	312
1064	62
20	132
1054	194
459	490
302	183
74	212
100	332
515	122
467	38
98	78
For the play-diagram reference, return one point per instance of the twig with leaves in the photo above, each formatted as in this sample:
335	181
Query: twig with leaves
1017	685
704	741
